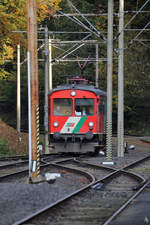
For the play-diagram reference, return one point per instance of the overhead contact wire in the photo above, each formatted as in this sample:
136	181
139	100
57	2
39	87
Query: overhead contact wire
75	21
65	54
91	25
131	19
131	42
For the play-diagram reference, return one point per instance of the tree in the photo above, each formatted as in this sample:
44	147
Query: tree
12	18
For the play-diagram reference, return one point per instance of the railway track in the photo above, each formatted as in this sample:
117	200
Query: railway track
17	165
99	195
93	204
141	167
25	199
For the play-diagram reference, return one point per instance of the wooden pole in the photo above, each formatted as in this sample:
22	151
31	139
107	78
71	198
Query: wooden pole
32	49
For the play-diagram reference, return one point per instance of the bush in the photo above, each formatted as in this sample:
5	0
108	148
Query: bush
4	148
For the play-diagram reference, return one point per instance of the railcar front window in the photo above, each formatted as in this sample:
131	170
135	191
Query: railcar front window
84	107
62	106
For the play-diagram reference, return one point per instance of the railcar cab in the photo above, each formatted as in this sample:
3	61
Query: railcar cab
76	116
68	107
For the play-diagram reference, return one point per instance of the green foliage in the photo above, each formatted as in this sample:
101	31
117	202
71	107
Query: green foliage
4	148
8	101
13	17
136	58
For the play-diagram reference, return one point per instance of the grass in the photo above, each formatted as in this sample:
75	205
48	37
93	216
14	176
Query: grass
4	148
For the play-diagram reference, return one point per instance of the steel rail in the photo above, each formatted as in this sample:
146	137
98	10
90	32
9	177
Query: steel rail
136	176
24	158
95	165
58	161
14	164
104	180
91	185
126	204
24	171
140	188
143	184
136	162
93	182
13	158
86	174
132	174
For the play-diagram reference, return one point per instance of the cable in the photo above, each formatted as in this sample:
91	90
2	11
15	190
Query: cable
131	42
136	13
82	24
62	13
100	35
143	44
37	50
66	52
117	35
74	20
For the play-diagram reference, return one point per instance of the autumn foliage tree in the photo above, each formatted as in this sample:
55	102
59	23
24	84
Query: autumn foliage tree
12	18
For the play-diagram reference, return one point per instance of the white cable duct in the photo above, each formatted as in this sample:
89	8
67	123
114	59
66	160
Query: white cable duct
29	114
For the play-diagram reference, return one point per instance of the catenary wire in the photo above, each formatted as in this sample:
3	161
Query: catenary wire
131	42
65	54
72	19
117	35
99	33
42	45
143	44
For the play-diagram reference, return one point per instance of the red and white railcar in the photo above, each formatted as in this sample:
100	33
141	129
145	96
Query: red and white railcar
77	115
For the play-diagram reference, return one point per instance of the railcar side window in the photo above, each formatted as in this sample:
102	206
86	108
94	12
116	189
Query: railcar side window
101	107
105	112
84	107
62	106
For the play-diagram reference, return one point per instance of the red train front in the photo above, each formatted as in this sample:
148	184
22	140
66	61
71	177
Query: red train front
77	117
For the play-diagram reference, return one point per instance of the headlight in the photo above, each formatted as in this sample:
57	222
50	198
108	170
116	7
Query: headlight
73	93
91	124
55	124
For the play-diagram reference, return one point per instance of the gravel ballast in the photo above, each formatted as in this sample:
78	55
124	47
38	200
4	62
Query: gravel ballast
19	200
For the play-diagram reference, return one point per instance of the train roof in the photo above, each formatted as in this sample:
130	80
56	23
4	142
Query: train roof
83	87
